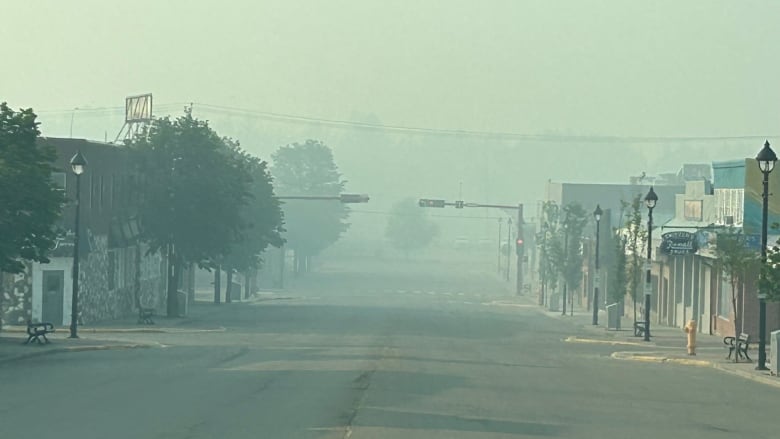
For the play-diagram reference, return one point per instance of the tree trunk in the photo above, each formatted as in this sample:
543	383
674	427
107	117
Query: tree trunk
296	264
217	280
564	299
137	279
229	286
191	283
174	271
2	293
736	316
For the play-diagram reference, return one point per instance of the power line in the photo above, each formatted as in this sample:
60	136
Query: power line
291	118
385	213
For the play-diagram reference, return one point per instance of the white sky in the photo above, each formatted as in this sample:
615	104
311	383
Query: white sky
621	67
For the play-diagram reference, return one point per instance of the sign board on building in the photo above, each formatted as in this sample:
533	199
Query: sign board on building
678	243
138	108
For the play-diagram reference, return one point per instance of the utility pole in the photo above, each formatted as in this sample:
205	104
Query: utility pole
521	252
508	246
500	223
565	263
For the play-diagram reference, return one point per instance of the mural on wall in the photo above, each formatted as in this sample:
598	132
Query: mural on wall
754	188
16	298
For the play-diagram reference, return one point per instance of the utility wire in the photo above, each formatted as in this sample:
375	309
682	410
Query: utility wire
291	118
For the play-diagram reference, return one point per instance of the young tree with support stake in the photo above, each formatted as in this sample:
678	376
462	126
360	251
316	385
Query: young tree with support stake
575	218
735	259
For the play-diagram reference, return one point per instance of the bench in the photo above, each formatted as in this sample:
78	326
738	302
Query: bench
145	316
640	328
37	330
740	344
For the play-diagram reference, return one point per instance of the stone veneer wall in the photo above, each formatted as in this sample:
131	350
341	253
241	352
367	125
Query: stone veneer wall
16	297
98	303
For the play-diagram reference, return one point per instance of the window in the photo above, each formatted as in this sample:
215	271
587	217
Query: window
724	298
115	270
730	206
692	210
58	178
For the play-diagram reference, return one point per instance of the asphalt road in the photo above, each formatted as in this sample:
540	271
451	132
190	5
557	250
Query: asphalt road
412	351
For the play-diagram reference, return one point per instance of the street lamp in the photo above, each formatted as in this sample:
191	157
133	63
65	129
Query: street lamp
650	200
766	159
597	216
79	165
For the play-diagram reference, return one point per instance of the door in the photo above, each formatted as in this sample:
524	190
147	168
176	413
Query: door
53	292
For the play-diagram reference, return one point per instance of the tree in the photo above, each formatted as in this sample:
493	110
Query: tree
734	259
770	281
574	220
308	169
194	187
30	202
617	270
261	219
550	247
408	227
616	260
636	235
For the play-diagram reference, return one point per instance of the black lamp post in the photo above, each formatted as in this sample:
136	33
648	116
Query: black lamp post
597	216
79	165
766	159
650	200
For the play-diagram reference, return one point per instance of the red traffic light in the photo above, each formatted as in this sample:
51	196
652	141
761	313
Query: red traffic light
519	241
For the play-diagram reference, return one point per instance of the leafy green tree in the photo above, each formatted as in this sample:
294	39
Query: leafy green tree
409	228
30	202
636	235
309	169
194	187
261	220
770	281
617	270
550	242
573	225
735	260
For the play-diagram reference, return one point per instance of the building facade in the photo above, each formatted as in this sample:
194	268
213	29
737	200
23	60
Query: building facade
116	274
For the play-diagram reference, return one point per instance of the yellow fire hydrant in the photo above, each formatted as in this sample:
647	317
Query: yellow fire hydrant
690	329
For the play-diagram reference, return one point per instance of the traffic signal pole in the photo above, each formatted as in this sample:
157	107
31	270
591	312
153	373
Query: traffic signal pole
521	249
520	245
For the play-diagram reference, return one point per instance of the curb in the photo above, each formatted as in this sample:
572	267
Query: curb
575	339
642	357
161	330
62	350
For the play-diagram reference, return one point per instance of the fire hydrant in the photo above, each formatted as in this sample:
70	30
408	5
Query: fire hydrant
690	329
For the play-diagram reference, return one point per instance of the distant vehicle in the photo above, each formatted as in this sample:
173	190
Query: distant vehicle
462	243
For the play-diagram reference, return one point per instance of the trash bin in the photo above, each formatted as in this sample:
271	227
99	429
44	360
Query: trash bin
235	291
554	299
613	317
181	301
774	358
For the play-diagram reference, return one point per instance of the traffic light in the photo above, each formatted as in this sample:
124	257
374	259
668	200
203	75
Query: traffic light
353	198
519	246
459	204
425	202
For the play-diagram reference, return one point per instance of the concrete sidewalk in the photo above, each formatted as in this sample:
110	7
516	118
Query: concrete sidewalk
667	345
